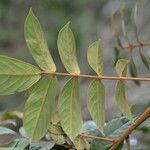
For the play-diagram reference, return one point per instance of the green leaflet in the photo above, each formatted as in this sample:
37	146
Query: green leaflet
37	43
117	55
96	92
67	49
121	100
121	67
133	71
18	144
144	60
58	139
95	57
70	109
39	108
55	118
96	103
81	143
56	129
113	129
16	75
42	145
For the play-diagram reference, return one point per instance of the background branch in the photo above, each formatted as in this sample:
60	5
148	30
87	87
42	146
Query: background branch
141	119
139	45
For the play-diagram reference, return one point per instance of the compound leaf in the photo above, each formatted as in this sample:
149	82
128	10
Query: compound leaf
96	103
37	44
121	100
95	57
39	108
67	49
70	109
16	75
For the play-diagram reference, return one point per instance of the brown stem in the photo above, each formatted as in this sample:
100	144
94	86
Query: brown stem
139	45
141	119
65	145
80	76
96	77
97	138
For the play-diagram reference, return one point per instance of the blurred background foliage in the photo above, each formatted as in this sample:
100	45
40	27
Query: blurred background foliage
90	20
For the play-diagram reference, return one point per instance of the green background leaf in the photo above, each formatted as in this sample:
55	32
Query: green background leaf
39	108
6	131
113	129
121	67
16	75
67	49
70	109
42	146
133	71
81	143
121	100
95	57
37	44
96	103
144	60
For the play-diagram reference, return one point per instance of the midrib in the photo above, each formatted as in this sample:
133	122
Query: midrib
43	102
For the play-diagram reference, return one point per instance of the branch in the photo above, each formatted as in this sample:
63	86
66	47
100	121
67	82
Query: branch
68	146
95	77
141	119
79	76
139	45
97	138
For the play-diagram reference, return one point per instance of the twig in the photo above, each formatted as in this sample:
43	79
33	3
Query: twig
97	77
97	138
80	76
141	119
64	145
139	45
4	144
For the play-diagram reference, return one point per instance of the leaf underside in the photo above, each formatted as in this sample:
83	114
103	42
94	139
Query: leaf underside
16	75
37	44
67	50
121	67
95	57
70	109
133	71
96	103
39	108
121	100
